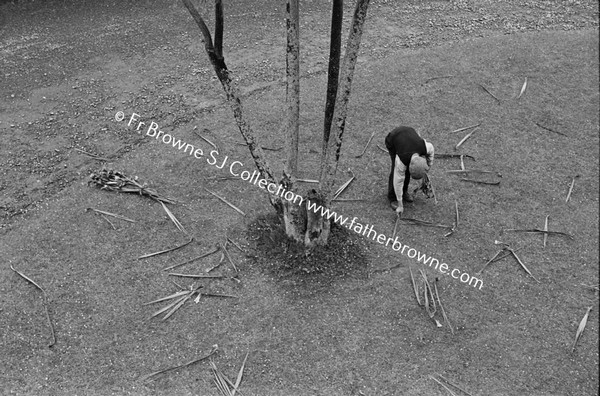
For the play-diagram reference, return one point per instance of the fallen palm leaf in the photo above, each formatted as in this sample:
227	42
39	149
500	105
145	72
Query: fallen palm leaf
117	181
466	171
491	94
235	244
436	78
456	210
437	294
226	253
571	189
506	254
221	381
177	306
167	250
454	156
194	276
173	218
238	380
424	223
174	295
212	352
498	258
366	145
464	139
217	295
180	299
414	284
44	303
523	88
344	186
546	231
538	230
427	293
490	261
111	214
108	221
171	305
445	387
455	226
94	156
192	259
205	139
581	328
481	182
465	128
523	265
225	201
454	385
549	129
207	270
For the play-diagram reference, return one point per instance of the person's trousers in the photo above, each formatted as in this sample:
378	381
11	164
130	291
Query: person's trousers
389	144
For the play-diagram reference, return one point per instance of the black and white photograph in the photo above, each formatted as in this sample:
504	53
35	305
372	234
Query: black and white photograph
299	197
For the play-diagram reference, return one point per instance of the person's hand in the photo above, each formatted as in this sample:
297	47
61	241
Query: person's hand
399	210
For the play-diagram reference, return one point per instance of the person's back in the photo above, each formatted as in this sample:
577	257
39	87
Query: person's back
411	156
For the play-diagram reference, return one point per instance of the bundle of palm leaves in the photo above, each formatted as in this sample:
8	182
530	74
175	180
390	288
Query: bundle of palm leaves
116	181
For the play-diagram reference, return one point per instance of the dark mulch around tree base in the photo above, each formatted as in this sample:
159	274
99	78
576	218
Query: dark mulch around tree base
290	261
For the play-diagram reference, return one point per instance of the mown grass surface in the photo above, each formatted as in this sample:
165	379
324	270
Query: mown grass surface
358	333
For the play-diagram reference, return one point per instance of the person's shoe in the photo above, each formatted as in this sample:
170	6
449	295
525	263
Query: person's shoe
407	198
394	205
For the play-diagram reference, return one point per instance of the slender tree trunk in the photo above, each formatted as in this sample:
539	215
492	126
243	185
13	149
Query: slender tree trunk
215	54
302	225
318	228
293	217
331	156
335	48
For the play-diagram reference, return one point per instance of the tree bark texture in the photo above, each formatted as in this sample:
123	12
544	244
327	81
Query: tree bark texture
218	62
331	156
335	44
293	217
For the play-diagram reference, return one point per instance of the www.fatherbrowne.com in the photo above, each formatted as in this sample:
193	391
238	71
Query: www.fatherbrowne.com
236	169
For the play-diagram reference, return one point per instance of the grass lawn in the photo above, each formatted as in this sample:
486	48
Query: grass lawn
354	328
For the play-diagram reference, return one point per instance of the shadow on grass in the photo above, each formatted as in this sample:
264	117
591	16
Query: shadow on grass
291	265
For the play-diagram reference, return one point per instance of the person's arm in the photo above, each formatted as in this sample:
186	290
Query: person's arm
399	173
430	153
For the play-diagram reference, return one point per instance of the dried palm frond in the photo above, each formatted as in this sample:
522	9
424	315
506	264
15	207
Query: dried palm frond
423	223
523	88
111	180
212	352
226	202
366	145
465	128
581	327
44	302
343	186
